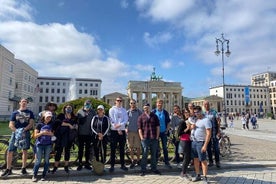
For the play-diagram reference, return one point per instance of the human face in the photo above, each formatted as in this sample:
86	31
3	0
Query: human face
159	104
132	104
146	109
176	110
23	104
118	102
197	113
206	105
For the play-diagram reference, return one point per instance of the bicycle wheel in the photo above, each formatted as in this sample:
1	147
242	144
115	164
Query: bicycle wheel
224	145
17	157
3	153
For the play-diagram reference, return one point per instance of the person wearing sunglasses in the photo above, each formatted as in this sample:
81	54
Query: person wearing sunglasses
119	118
202	135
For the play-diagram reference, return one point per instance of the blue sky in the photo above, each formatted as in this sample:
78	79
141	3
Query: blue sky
122	40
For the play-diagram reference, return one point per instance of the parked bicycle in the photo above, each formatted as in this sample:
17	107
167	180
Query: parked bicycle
224	143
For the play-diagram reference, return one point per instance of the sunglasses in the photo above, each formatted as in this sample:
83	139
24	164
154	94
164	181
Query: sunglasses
132	103
119	100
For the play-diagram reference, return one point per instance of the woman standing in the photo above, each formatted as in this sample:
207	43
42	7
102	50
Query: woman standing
43	134
100	126
185	143
66	133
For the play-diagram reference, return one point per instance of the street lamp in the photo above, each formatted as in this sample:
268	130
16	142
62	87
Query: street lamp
221	41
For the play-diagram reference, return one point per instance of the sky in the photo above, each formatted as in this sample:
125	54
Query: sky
122	40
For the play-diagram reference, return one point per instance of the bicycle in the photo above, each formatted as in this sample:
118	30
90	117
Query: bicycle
224	144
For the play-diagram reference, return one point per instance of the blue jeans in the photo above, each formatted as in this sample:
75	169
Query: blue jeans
213	144
164	140
196	150
42	151
149	144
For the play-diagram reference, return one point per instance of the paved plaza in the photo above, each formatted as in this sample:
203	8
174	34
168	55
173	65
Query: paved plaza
253	161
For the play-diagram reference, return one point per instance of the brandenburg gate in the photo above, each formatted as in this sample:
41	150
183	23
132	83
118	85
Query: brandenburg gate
144	91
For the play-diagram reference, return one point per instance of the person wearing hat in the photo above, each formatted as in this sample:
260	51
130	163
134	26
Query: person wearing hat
85	138
43	134
100	126
149	130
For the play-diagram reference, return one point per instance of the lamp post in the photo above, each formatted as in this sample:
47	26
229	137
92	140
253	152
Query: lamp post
221	41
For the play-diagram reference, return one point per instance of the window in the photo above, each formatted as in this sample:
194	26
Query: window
58	99
47	83
53	83
52	98
40	99
41	90
63	99
52	90
63	91
58	90
85	91
11	68
10	81
96	85
46	90
46	99
80	91
41	83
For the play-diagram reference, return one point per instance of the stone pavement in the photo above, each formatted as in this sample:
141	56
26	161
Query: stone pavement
253	160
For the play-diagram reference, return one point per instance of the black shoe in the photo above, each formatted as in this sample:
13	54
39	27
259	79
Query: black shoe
132	165
211	164
54	170
88	167
143	173
218	165
6	173
124	168
111	169
66	169
168	165
139	162
156	172
79	167
23	171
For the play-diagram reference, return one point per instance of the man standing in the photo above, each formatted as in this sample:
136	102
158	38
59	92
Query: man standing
164	119
85	137
21	122
118	117
134	141
202	135
213	116
149	129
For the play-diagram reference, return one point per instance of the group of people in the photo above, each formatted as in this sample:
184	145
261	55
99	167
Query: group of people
195	132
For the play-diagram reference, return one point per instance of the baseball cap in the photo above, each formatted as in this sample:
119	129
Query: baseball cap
47	114
100	107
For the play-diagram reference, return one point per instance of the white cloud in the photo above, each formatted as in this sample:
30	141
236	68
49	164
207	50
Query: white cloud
124	4
11	9
166	64
155	40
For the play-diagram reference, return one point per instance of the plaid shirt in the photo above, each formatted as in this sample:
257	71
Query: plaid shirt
148	125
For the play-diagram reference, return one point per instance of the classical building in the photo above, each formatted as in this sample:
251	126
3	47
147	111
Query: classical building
214	101
240	98
110	99
145	91
62	89
263	79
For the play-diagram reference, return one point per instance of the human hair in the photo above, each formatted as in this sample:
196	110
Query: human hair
159	100
198	108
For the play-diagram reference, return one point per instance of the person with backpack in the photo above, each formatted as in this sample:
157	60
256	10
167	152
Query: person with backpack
66	134
43	134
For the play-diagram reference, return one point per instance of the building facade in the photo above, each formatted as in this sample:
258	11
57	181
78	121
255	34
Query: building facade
62	89
214	101
240	98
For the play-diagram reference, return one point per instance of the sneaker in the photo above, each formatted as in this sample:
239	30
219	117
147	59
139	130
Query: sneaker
205	180
6	173
210	164
196	178
23	171
168	165
34	178
132	165
66	169
42	179
88	167
79	167
54	170
143	173
124	168
111	169
156	172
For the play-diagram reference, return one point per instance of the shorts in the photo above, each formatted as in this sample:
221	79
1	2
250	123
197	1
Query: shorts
133	140
196	150
13	148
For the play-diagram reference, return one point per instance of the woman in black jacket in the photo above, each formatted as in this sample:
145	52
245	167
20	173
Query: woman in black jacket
185	143
100	126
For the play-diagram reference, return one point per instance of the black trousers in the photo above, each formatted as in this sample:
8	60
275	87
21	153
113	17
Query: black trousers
116	139
84	142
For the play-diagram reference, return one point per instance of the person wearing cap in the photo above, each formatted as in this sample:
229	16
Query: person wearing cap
118	117
100	126
164	119
133	138
149	129
43	134
85	138
66	134
20	120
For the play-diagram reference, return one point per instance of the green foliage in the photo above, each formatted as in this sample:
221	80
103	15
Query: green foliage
269	115
4	128
78	104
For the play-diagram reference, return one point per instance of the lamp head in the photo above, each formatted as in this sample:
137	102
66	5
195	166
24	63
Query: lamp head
217	52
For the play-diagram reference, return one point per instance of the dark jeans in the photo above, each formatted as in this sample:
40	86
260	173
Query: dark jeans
186	147
59	150
164	140
115	139
84	142
213	146
176	154
149	144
